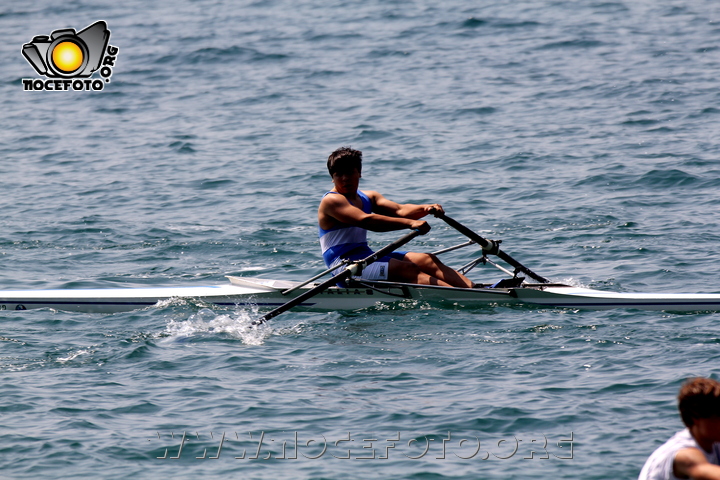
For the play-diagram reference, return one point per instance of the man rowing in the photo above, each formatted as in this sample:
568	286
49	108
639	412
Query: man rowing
347	213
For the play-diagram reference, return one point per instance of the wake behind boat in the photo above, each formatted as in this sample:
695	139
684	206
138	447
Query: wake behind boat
281	295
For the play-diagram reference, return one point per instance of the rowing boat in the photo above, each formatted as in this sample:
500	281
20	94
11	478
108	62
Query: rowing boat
268	293
281	295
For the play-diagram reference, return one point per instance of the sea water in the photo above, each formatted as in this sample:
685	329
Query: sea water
582	134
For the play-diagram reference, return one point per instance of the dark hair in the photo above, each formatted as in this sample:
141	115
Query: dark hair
699	398
344	159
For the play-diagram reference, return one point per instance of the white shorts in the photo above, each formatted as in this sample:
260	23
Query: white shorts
376	271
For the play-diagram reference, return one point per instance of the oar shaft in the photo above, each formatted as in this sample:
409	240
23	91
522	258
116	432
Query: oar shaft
344	275
299	286
297	300
489	245
483	242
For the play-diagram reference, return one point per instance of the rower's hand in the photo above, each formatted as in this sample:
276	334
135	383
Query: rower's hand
421	226
435	208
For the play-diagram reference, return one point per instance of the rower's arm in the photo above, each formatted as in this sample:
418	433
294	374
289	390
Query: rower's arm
691	463
406	210
335	208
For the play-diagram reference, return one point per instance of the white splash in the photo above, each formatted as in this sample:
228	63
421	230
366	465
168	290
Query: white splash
237	324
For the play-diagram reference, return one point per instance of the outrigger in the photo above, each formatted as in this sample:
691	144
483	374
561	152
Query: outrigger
282	295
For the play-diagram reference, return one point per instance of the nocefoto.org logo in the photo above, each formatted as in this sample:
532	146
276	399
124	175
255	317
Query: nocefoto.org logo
68	59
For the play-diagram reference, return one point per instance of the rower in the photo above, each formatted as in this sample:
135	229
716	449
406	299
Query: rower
346	214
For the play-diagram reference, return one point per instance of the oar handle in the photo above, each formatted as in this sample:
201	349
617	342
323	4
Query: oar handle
352	269
490	246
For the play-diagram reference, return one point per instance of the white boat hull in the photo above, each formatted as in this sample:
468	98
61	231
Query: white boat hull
242	292
269	294
585	298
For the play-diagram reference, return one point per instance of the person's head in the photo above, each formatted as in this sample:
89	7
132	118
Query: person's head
344	160
699	398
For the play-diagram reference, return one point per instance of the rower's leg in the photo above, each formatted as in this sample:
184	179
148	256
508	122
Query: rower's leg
408	272
431	265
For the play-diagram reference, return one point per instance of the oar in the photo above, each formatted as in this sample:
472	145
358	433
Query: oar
490	246
350	270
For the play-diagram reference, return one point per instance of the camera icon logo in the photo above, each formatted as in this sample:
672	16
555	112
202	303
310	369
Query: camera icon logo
68	54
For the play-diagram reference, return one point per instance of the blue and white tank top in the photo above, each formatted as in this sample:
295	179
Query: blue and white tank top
343	239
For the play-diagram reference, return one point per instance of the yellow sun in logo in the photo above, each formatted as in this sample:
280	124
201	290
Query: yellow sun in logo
67	56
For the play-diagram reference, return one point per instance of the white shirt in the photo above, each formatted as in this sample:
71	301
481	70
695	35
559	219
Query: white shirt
659	466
